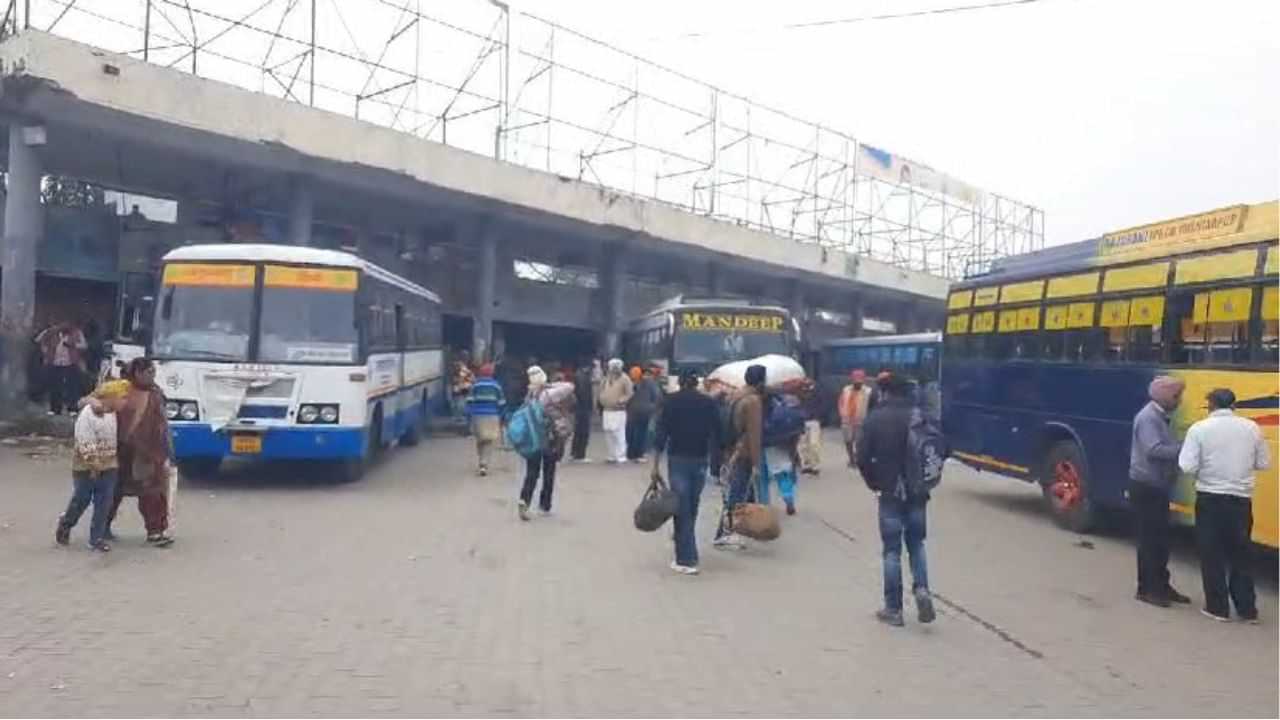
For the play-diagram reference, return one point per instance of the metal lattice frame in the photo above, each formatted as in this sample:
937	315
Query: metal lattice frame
530	91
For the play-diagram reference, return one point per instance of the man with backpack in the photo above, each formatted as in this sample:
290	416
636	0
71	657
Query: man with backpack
745	440
900	455
783	428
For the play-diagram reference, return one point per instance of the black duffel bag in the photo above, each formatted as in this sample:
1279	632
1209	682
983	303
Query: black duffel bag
657	506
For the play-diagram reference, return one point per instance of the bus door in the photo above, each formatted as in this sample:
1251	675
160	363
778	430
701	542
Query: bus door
131	332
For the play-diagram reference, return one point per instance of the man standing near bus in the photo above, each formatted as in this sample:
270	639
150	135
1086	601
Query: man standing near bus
584	391
855	400
1223	451
615	393
1153	470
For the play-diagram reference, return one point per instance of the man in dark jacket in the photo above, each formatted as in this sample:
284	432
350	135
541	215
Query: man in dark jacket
882	459
1153	470
582	390
689	428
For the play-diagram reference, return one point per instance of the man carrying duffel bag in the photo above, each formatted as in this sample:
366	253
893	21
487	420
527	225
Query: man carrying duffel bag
689	428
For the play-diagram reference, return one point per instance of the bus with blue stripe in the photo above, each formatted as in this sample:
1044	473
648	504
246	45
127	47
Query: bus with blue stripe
278	352
1048	356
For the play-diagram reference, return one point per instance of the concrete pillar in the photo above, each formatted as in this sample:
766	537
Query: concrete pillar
23	230
301	211
613	285
906	320
482	342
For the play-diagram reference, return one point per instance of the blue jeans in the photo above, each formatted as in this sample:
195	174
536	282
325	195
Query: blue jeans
786	484
901	520
739	483
688	476
101	490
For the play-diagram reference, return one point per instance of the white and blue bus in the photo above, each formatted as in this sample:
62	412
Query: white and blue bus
281	352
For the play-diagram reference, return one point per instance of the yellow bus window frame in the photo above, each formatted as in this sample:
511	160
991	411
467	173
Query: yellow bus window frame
1115	313
958	324
1138	277
1219	266
1055	317
1008	321
983	297
1072	285
1231	305
1272	265
1029	319
1022	292
1147	311
960	300
1080	315
983	322
1271	303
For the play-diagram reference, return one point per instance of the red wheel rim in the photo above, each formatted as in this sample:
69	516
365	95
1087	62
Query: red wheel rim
1066	488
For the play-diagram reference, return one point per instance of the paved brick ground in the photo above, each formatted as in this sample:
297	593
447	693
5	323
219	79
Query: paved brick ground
417	592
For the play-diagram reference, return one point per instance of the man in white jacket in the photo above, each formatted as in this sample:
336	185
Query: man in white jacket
1223	452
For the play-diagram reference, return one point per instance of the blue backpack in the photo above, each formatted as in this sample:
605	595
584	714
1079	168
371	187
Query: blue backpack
783	422
527	429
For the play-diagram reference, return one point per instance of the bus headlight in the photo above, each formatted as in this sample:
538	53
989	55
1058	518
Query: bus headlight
329	413
189	411
171	410
308	414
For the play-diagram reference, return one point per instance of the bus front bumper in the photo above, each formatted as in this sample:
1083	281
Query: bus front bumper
198	440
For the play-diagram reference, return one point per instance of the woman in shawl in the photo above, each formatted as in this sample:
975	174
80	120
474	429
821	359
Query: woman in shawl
145	449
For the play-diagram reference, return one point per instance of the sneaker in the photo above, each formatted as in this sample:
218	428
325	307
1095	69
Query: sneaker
684	569
100	546
1214	616
544	513
62	534
51	413
159	540
1250	618
791	507
1153	599
731	541
890	617
522	509
483	472
1176	597
583	461
924	607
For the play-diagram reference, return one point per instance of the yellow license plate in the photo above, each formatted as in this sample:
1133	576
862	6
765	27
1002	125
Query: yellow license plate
246	444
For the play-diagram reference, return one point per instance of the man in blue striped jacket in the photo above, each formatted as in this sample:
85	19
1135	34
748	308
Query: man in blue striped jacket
484	406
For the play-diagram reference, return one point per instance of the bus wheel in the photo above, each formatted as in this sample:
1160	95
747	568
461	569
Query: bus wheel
1066	488
413	435
199	467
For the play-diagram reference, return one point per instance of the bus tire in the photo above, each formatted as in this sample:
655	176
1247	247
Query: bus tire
413	434
1065	486
197	468
351	470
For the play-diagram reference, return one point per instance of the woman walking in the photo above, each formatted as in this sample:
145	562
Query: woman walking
557	401
144	451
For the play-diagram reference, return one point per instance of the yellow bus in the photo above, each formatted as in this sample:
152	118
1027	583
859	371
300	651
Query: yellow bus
1046	358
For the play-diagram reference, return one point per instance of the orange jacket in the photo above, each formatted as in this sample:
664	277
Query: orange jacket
853	404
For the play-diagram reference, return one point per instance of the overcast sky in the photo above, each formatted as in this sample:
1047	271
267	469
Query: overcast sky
1105	113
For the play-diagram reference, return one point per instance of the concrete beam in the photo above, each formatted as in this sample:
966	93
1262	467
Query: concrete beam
152	105
23	231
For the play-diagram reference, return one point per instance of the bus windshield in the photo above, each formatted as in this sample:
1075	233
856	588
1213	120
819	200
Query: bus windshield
205	312
721	337
308	315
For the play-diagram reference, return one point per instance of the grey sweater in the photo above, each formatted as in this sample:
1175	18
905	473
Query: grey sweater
1153	456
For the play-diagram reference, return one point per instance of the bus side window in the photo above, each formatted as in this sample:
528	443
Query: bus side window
1211	326
1270	313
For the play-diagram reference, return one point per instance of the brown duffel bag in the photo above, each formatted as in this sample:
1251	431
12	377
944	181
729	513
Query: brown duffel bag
753	519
